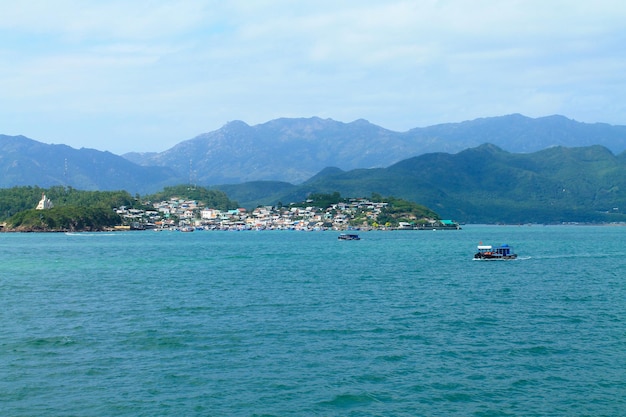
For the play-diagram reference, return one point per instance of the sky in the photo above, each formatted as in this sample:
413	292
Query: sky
144	75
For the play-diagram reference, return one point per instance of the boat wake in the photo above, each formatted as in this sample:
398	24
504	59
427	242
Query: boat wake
88	234
519	258
580	256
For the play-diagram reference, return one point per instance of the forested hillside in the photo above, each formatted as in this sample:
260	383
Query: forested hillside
489	185
73	209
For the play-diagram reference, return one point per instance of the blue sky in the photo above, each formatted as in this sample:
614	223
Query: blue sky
144	75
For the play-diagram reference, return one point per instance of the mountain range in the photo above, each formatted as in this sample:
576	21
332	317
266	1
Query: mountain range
293	150
506	168
24	162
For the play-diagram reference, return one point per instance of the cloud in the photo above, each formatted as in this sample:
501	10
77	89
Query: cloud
144	75
75	21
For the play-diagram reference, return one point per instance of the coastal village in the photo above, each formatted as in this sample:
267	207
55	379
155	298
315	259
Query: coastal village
180	214
189	215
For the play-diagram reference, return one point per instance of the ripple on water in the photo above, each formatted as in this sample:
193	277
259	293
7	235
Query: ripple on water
289	324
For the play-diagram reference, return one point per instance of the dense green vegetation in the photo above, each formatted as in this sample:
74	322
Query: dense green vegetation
210	198
489	185
482	185
17	199
399	210
65	218
73	209
258	193
321	200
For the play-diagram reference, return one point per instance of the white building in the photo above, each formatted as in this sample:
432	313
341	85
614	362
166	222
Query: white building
209	214
45	203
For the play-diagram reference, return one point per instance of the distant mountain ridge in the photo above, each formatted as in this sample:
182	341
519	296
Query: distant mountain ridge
283	159
25	162
521	134
283	149
293	150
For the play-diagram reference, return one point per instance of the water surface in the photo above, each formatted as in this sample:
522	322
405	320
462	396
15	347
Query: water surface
285	323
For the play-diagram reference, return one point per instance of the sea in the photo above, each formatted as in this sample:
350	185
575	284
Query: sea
292	323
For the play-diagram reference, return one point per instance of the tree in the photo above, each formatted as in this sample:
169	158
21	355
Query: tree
210	198
64	218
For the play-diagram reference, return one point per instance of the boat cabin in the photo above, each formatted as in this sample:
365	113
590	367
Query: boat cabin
347	236
499	252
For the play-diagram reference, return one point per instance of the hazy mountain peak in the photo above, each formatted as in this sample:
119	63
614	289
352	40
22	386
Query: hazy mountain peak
26	162
235	124
360	122
294	149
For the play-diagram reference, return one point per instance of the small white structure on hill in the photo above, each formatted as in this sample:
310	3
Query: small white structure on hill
45	203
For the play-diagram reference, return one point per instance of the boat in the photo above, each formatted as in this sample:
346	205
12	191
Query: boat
348	236
499	253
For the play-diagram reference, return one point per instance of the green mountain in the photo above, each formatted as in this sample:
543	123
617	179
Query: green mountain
286	150
293	150
563	174
258	193
489	185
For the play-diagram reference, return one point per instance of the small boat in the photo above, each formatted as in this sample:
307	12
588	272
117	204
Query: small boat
498	253
348	236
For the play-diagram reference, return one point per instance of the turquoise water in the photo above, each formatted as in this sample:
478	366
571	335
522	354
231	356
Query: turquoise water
284	323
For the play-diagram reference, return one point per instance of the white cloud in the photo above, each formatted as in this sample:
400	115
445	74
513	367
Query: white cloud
95	74
75	20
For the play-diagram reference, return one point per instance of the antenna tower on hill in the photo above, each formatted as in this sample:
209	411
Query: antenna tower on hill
192	186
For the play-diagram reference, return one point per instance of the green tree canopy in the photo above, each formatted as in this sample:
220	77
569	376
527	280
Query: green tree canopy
17	199
64	218
211	198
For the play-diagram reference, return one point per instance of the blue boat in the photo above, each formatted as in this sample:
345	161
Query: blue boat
348	236
497	253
